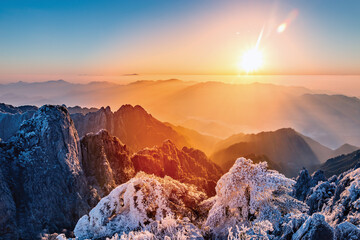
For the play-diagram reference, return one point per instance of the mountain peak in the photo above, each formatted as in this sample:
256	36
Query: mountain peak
130	108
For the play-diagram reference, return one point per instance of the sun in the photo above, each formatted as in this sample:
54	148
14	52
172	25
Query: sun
252	60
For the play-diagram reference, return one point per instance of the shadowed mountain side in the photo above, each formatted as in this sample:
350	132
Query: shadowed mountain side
186	165
106	162
340	164
344	149
82	110
284	148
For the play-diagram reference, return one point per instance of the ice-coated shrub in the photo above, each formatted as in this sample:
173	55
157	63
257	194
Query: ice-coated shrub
145	202
250	192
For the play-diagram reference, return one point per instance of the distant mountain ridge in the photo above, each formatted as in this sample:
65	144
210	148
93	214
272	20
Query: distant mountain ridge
287	150
341	163
211	108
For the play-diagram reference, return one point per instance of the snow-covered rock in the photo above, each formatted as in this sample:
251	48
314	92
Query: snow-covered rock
8	225
320	195
347	231
41	164
304	182
344	205
315	227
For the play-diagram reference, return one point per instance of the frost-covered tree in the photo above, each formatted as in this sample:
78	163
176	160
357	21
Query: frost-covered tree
250	192
344	205
162	206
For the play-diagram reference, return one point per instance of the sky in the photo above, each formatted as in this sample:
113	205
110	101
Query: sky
42	39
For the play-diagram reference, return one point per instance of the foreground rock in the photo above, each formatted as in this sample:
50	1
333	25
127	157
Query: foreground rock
41	166
304	183
315	227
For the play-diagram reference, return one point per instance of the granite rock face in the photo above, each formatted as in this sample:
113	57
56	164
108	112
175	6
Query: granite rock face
93	122
43	175
8	225
315	227
186	165
347	230
106	162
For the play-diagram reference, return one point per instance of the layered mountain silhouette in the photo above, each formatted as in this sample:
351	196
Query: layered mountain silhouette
285	149
340	164
345	149
133	125
211	108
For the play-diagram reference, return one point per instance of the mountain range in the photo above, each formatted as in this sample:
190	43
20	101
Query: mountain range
286	150
45	165
56	166
211	108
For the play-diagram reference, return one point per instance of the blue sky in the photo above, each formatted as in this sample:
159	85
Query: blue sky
117	37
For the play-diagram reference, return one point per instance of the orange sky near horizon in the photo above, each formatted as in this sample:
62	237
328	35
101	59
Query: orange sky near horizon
179	38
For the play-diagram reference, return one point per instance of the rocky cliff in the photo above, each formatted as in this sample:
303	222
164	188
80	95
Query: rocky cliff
186	165
42	169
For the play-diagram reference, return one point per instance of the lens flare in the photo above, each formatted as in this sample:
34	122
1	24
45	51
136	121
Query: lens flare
281	28
290	18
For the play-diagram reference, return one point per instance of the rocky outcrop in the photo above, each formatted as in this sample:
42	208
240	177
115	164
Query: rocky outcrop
132	125
93	122
337	198
304	183
186	165
347	230
41	166
344	205
106	162
315	227
8	225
